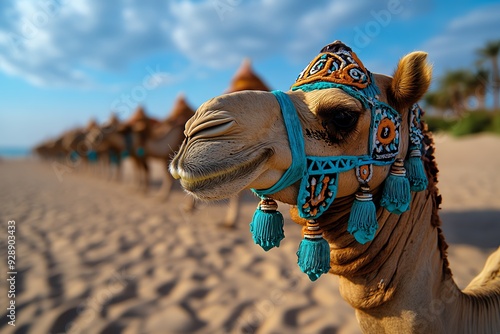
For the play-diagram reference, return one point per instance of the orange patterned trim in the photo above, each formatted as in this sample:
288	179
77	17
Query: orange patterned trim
340	76
386	131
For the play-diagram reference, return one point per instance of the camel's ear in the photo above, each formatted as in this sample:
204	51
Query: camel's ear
410	80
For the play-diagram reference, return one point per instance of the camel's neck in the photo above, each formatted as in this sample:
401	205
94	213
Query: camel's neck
400	281
399	273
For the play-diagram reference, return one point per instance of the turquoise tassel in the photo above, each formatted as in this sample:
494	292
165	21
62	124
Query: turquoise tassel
92	156
74	156
267	225
124	154
313	255
141	152
362	223
396	196
415	171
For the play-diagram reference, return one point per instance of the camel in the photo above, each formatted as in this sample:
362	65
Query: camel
136	131
115	141
51	149
141	138
78	149
356	131
70	144
109	145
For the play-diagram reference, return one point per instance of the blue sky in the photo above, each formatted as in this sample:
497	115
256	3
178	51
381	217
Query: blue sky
63	62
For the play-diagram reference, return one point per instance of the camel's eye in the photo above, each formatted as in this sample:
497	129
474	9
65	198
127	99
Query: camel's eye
344	120
339	123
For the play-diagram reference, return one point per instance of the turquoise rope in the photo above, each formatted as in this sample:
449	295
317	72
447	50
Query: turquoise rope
296	141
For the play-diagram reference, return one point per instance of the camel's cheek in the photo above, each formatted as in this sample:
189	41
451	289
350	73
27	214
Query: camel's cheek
348	184
379	175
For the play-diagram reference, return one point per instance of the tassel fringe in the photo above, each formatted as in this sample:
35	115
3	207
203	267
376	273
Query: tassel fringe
415	171
396	196
141	152
362	223
267	225
313	255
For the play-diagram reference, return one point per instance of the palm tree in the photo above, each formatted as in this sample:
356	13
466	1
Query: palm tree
439	99
477	86
490	52
454	85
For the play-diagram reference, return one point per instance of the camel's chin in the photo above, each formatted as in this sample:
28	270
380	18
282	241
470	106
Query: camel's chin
213	189
208	192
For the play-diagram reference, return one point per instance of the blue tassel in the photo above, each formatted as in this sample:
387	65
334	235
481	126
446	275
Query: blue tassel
92	156
267	225
74	156
396	196
415	171
313	255
362	223
140	152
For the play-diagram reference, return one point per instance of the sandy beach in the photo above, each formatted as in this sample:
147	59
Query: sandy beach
95	256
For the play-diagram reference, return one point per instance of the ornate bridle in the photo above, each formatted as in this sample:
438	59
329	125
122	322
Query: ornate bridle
337	66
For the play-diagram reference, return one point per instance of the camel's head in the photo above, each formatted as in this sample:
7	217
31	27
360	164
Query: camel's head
240	140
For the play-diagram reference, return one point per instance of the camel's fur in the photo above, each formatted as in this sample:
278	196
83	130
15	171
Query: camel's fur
410	80
398	283
243	79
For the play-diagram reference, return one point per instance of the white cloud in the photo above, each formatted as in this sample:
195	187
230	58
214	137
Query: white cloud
218	34
50	42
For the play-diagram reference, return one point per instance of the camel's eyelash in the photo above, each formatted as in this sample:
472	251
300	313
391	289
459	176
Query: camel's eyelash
342	128
347	135
338	135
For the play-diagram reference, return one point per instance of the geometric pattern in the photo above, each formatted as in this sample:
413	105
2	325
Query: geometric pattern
385	132
318	187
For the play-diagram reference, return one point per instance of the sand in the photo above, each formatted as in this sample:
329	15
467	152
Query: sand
94	256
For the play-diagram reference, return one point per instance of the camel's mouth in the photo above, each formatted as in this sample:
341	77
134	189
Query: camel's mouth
203	180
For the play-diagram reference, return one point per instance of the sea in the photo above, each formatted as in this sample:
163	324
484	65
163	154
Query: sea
7	152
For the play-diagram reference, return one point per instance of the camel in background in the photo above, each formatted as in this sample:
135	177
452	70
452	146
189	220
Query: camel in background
109	146
51	149
141	138
135	133
71	144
